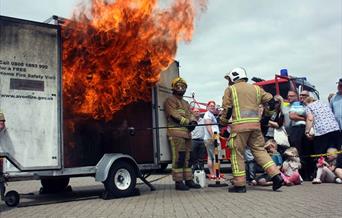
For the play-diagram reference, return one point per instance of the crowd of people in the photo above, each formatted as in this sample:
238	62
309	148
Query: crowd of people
313	129
273	141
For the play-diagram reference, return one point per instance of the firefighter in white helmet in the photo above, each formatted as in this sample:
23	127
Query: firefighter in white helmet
179	117
241	103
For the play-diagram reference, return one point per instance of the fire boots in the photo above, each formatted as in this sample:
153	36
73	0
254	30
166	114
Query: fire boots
277	182
237	189
192	184
181	186
188	184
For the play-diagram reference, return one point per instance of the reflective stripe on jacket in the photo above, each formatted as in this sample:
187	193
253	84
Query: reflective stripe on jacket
245	99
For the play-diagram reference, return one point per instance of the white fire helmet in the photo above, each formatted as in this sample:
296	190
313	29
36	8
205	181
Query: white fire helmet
236	74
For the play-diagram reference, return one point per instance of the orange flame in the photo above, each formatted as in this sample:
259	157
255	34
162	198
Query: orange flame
113	52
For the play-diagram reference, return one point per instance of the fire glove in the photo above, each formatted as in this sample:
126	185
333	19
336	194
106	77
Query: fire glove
192	125
182	121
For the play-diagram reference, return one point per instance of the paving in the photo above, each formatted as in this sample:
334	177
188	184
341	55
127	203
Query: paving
306	200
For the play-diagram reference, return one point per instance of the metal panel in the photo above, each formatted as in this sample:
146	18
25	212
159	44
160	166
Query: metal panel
30	90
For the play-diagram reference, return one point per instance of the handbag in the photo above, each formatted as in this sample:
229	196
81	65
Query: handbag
281	137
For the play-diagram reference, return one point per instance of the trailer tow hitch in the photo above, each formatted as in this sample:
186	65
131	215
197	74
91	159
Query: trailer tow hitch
152	188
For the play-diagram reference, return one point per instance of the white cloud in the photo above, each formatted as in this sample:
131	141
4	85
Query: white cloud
264	36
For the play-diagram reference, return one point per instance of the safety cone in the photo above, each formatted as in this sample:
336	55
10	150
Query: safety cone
217	165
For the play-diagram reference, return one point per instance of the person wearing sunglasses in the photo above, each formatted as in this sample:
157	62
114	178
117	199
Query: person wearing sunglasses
303	95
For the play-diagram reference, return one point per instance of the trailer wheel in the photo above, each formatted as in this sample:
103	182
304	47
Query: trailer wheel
53	185
121	180
12	198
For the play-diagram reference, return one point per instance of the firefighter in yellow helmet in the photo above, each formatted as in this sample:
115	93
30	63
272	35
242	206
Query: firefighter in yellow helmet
241	103
180	122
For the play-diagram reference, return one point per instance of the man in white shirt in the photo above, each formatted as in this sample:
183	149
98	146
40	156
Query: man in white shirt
198	147
209	140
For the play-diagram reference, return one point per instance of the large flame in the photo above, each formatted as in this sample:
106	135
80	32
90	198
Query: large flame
114	51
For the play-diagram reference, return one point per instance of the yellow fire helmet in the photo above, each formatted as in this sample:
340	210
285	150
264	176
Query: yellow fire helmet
178	80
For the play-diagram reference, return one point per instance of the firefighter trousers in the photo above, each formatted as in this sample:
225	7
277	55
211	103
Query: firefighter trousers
181	149
255	140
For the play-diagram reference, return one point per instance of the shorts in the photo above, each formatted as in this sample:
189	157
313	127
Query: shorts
210	146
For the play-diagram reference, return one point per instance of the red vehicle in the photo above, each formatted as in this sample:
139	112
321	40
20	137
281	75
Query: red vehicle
196	104
282	83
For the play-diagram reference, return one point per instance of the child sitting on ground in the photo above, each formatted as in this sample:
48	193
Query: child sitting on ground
271	148
326	168
291	166
252	168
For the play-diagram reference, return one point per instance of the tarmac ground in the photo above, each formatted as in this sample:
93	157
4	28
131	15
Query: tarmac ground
306	200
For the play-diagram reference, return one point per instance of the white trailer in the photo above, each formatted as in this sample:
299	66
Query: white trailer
36	143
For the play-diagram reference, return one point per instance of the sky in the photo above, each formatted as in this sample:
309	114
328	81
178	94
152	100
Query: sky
263	36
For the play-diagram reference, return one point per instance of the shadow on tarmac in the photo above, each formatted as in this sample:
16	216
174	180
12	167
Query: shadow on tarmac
91	192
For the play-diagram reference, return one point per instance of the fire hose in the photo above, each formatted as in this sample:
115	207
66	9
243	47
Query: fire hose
132	129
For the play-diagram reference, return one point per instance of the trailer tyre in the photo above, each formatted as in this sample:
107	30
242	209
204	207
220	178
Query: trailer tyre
12	198
121	180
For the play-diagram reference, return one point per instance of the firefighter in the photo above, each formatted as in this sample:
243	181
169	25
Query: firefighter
241	103
182	122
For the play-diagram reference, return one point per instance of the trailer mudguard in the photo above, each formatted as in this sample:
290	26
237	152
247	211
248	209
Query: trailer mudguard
106	162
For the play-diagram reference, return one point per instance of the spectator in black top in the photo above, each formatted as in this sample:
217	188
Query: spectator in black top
277	118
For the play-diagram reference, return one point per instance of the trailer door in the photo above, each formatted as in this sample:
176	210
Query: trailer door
30	93
163	92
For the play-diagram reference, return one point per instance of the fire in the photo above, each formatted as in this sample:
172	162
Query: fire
114	51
